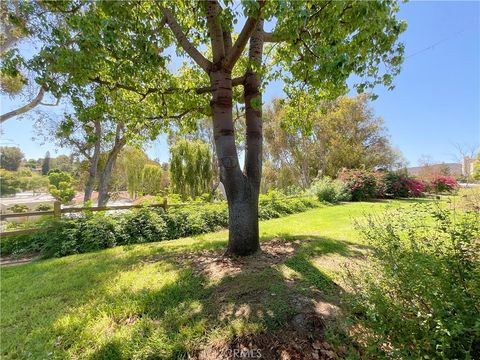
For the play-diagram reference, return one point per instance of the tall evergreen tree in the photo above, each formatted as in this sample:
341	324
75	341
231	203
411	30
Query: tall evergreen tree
46	163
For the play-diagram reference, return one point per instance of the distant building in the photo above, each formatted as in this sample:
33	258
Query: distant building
467	166
453	169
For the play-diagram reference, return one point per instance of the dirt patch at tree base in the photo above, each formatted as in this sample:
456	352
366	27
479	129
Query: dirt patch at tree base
288	343
215	266
301	338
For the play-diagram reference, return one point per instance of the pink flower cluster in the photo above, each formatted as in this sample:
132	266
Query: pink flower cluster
404	186
416	187
444	183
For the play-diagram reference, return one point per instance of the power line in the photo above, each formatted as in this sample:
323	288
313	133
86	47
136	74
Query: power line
431	47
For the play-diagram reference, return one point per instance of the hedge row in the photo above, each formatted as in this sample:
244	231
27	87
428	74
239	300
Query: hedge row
95	231
366	185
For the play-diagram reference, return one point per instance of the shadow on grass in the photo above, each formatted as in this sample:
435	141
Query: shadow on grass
82	307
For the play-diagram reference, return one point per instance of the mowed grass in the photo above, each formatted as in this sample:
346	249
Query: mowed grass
141	302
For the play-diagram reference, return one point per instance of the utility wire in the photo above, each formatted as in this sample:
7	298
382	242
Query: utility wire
431	47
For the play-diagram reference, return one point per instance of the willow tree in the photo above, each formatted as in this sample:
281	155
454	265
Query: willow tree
134	160
153	179
315	45
190	168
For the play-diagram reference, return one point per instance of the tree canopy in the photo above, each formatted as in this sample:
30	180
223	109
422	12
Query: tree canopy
342	133
129	53
10	157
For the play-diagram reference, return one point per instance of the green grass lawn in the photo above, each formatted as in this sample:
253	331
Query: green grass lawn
156	301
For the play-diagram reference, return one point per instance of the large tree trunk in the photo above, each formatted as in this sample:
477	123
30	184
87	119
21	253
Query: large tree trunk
92	171
242	188
242	201
103	195
243	236
120	142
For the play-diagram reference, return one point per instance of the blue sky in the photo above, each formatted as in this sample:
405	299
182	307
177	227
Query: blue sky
435	105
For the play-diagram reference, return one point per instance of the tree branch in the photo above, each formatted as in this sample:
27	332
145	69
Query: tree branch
56	103
271	37
177	116
196	55
238	81
243	38
213	11
81	148
227	40
144	94
22	110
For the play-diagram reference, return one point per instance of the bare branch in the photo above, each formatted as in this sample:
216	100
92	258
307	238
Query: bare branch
243	38
213	11
177	116
272	37
196	55
22	110
238	81
56	103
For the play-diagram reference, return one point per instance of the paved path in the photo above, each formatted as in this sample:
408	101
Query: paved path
12	261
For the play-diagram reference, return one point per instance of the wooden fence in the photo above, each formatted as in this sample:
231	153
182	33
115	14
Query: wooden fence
58	211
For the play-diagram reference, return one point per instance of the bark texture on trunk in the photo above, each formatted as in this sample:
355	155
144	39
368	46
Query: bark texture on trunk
242	188
103	195
241	197
92	171
243	237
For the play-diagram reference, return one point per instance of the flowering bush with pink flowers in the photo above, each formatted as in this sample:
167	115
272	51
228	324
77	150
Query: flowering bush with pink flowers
403	186
363	184
416	187
443	183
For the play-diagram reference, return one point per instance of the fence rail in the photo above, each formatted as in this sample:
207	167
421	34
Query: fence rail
25	214
58	211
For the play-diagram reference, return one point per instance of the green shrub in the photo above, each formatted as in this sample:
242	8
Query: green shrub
192	220
420	293
328	190
98	231
275	204
18	208
57	238
21	244
95	231
142	225
44	207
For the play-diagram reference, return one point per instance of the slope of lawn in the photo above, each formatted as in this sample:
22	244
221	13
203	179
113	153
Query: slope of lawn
158	301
